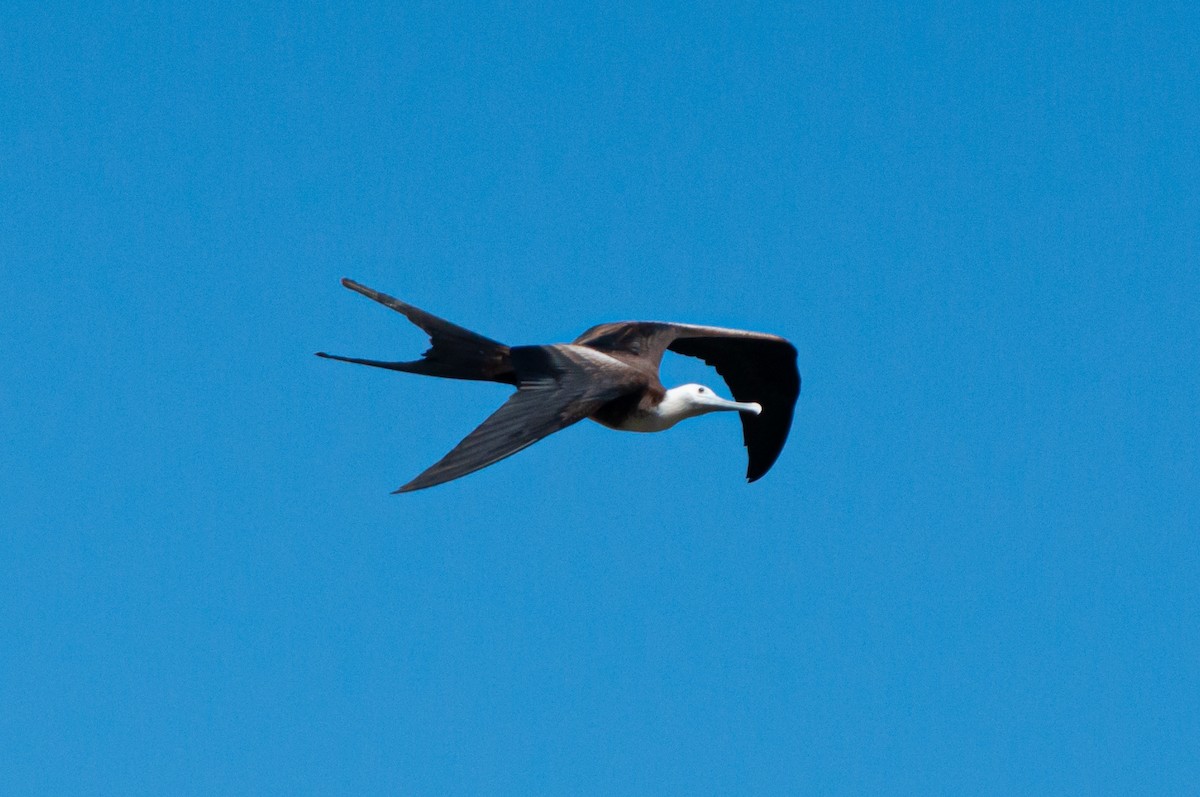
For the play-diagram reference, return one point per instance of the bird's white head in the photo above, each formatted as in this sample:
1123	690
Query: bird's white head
688	401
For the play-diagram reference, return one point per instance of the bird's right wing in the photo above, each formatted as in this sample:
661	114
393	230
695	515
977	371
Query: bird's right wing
558	387
756	366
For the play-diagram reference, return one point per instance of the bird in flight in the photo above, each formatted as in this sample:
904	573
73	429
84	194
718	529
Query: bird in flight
608	374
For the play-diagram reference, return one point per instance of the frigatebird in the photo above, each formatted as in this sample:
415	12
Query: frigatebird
608	374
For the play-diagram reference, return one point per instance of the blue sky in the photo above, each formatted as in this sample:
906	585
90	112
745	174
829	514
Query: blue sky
973	570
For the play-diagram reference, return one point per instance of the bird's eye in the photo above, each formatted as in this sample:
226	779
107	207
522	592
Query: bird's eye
701	390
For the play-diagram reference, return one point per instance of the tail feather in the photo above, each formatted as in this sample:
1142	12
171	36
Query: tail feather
455	353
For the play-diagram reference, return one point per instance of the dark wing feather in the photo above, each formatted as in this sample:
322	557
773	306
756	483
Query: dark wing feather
555	391
756	369
644	341
756	366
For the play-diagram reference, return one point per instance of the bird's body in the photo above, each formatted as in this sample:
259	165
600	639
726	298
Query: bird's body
608	374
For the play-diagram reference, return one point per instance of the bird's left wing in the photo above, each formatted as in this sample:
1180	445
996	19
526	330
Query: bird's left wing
558	387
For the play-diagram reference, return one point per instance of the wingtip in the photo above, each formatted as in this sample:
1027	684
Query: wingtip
754	474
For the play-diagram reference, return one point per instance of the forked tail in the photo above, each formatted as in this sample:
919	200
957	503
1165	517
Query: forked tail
456	353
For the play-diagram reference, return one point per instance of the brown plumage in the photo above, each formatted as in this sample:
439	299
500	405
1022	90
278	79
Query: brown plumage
608	374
